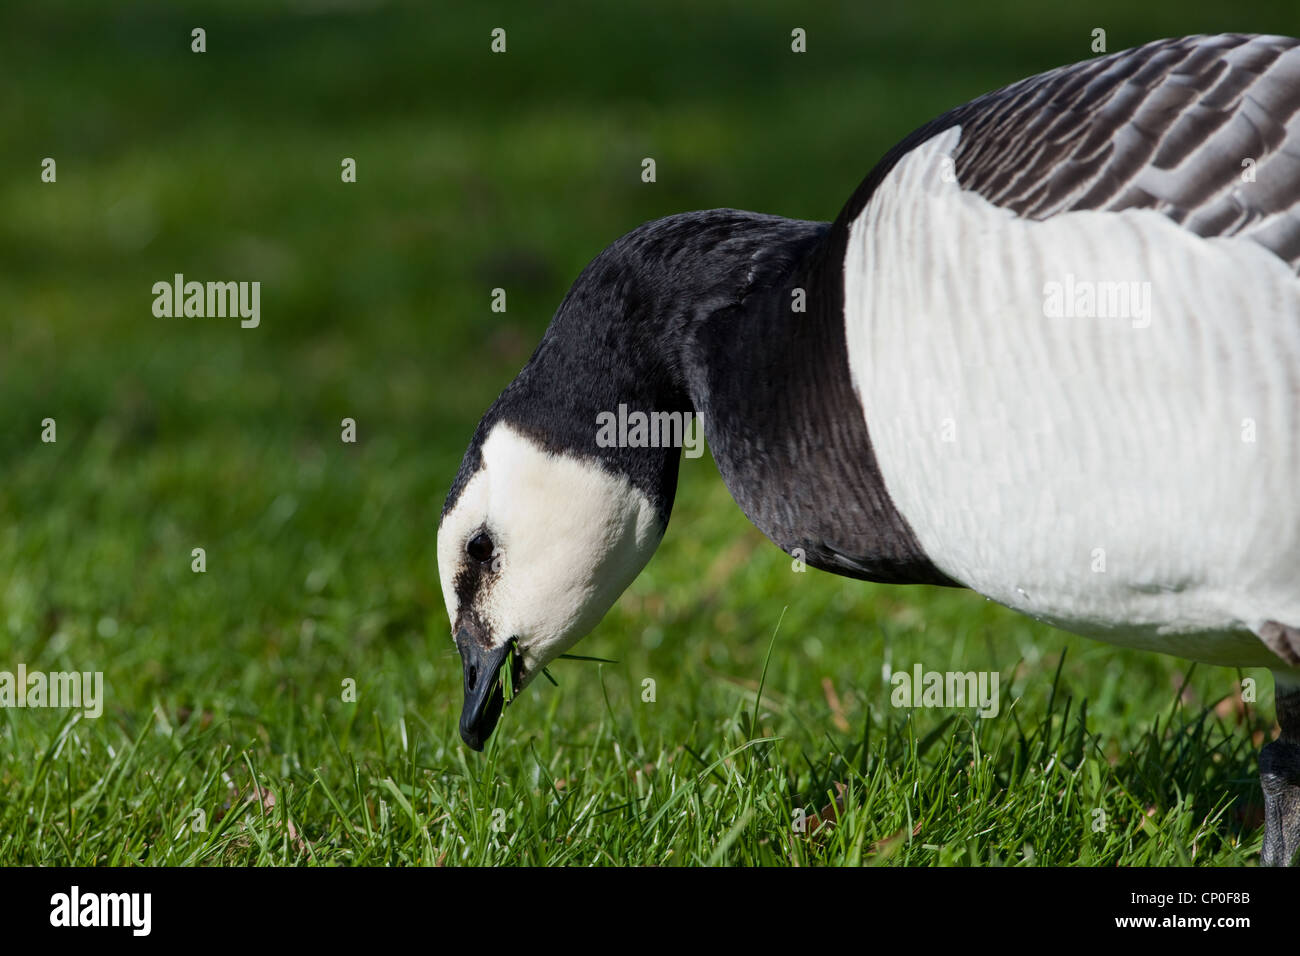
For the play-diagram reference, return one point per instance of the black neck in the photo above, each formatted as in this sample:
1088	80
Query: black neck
698	312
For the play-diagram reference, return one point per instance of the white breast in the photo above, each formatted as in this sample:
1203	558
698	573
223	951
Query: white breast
1133	477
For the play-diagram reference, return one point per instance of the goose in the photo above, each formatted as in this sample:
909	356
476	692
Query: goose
1049	351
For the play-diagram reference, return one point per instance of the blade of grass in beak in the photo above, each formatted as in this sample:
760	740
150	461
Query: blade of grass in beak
508	673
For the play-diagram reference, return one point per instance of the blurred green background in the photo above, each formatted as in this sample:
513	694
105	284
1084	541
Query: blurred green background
475	171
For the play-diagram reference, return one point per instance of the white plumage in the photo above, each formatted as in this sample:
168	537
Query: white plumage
1133	479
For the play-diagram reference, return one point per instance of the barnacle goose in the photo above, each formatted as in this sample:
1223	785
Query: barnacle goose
1049	351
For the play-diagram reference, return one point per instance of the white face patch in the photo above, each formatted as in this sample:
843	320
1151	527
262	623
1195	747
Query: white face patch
568	539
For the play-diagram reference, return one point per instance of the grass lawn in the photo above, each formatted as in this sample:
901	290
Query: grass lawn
225	736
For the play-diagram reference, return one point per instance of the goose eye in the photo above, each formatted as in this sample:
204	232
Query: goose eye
480	547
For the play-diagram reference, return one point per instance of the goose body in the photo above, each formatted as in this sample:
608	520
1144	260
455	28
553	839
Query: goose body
1048	351
1135	479
1131	475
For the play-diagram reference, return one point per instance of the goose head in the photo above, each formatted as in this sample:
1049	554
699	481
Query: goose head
547	523
534	546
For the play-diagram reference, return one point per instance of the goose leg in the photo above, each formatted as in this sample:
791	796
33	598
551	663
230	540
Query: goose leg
1279	775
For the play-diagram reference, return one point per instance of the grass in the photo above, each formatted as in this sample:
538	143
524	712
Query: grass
226	738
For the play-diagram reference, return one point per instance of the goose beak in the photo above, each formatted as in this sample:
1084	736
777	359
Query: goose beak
484	695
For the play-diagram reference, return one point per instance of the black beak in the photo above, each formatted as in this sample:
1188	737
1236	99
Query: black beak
484	695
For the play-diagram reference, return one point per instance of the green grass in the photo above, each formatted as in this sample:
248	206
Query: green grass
474	172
